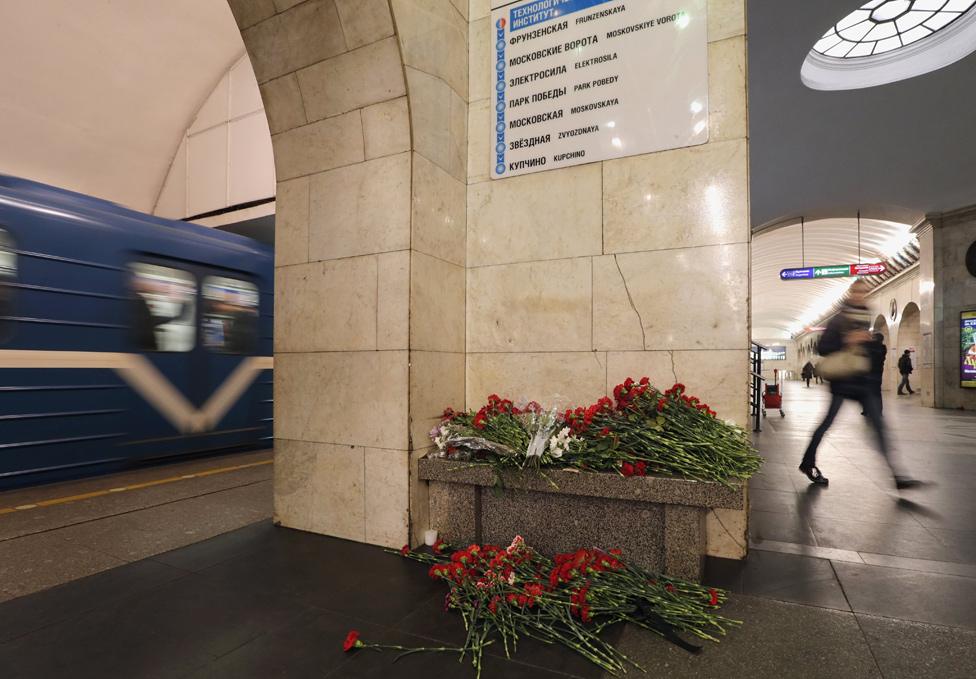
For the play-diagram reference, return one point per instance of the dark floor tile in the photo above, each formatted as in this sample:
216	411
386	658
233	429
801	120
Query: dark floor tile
909	540
27	614
780	527
786	577
335	575
961	543
910	595
202	555
775	640
167	632
779	501
912	650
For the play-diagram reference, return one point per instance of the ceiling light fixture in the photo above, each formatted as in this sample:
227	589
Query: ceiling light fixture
889	40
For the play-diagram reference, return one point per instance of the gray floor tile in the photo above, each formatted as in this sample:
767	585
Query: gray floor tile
912	541
40	561
776	640
911	650
910	595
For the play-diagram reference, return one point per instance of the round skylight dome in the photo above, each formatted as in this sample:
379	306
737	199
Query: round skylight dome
889	40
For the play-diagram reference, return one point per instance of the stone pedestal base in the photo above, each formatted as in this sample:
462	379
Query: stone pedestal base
659	523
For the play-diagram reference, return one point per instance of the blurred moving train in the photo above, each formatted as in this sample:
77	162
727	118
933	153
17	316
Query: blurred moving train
125	338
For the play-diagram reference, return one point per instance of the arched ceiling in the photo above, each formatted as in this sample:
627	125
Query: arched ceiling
782	308
95	95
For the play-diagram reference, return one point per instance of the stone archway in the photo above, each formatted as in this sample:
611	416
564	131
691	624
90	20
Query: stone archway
368	123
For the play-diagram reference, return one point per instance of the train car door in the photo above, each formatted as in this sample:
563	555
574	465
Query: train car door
163	309
229	327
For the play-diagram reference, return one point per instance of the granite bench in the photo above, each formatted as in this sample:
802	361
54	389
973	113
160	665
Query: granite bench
658	522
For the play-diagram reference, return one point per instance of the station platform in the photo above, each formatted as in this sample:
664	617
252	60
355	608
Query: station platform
854	580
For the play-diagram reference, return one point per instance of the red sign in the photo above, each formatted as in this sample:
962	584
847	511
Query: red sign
868	269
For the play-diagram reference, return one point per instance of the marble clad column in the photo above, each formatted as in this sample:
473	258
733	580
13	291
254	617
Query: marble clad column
946	288
369	250
583	276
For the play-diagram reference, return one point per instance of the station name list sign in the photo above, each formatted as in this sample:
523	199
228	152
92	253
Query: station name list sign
580	81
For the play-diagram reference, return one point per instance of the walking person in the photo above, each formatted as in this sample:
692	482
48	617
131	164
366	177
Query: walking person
848	332
878	353
807	373
905	368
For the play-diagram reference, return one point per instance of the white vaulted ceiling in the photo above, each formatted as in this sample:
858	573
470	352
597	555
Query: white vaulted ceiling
781	308
95	96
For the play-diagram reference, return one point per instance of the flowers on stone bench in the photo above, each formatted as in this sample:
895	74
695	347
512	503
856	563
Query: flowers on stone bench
640	431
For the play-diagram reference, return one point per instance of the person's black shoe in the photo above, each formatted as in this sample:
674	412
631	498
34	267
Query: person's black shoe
905	482
814	475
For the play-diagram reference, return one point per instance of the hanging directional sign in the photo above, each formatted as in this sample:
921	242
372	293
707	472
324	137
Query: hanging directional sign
833	271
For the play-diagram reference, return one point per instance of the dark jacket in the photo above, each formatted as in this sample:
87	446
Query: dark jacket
877	352
848	320
905	365
807	372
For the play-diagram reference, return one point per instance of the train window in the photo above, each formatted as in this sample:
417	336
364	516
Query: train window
230	315
8	272
163	309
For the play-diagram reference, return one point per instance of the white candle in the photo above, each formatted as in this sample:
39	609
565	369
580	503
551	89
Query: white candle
430	537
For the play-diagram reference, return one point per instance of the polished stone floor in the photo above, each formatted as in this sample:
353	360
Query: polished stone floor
854	580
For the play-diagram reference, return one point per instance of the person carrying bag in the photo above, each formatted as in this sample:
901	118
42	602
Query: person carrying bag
845	365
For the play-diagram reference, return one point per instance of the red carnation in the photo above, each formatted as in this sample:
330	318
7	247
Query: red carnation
605	431
352	641
669	587
627	469
404	550
714	597
438	546
640	469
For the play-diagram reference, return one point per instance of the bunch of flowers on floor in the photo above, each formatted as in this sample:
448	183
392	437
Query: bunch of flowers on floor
506	594
640	431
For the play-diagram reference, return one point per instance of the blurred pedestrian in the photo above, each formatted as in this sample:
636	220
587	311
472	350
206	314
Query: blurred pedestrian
807	373
846	335
878	353
905	368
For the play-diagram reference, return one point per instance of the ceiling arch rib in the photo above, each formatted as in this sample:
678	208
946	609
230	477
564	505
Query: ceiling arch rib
783	308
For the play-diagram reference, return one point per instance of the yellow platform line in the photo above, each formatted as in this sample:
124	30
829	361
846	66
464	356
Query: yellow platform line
135	486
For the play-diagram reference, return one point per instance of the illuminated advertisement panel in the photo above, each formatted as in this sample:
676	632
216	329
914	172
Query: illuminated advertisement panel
967	353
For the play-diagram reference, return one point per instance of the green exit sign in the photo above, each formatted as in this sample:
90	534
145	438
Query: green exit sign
841	271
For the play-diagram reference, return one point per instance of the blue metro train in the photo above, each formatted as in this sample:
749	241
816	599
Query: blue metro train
125	338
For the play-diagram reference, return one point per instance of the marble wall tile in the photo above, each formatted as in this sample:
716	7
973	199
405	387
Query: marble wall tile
387	494
297	38
720	378
291	222
479	141
439	212
478	9
285	5
386	128
283	103
419	499
365	76
536	217
360	209
319	487
727	116
480	67
617	326
434	39
393	301
553	380
350	398
324	145
326	306
726	533
249	12
682	198
436	304
462	7
436	383
695	298
364	21
726	19
538	306
439	120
